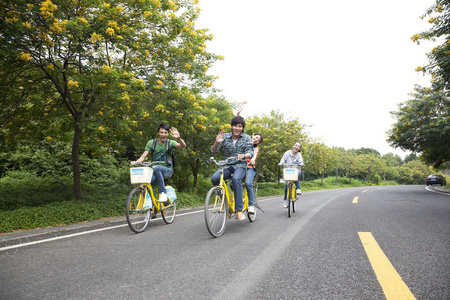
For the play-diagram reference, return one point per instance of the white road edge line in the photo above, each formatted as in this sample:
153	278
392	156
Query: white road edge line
438	192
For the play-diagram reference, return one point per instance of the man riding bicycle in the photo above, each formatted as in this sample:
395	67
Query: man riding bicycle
159	151
236	144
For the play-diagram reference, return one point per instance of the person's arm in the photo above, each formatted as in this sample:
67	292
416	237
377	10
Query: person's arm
301	160
140	159
283	159
255	156
180	143
219	139
247	148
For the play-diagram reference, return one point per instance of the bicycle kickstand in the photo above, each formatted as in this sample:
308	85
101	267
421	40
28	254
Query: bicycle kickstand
259	207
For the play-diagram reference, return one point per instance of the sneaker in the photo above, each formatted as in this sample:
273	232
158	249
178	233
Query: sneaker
285	204
251	209
163	197
299	191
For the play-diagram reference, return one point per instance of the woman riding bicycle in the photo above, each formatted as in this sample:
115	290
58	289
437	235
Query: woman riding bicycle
292	157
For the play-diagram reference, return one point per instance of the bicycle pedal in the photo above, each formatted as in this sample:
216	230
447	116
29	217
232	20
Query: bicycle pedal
153	216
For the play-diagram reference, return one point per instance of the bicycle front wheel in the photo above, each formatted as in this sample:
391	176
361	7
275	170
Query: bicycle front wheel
216	212
289	199
137	216
252	216
168	210
294	197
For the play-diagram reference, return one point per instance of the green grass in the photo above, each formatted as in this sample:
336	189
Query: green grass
28	202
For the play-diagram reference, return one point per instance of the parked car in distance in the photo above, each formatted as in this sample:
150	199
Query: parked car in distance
436	179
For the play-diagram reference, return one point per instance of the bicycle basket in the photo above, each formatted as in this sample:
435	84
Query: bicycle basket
141	175
290	174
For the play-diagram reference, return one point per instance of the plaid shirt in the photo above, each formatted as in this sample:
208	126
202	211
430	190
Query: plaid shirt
243	145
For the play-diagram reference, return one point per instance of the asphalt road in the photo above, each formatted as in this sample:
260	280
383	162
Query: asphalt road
357	243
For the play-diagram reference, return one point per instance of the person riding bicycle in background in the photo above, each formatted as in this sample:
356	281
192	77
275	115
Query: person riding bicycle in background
292	157
164	170
236	144
257	139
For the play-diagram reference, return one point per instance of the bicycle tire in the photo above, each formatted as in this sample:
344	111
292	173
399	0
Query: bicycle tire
252	217
215	212
289	199
294	197
168	211
137	216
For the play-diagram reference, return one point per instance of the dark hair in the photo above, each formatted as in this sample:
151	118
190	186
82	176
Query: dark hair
261	139
238	120
163	126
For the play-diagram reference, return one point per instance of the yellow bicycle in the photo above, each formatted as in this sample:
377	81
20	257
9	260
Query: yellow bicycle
220	204
142	204
290	175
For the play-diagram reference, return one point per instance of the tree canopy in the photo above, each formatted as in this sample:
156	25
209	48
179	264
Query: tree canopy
91	70
423	122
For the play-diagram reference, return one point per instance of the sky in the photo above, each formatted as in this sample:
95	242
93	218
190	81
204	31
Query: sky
340	67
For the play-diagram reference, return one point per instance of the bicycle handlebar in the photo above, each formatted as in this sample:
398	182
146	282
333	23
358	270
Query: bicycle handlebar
148	164
224	162
291	165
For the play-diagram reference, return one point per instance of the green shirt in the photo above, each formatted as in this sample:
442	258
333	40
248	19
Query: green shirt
160	151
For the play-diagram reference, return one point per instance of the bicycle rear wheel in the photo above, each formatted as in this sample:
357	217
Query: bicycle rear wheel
137	216
252	217
168	210
216	212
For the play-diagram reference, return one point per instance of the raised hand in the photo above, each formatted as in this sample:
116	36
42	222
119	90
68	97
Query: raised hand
174	132
220	136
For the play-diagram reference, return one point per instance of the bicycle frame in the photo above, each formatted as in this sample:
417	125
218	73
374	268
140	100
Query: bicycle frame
223	186
156	205
230	197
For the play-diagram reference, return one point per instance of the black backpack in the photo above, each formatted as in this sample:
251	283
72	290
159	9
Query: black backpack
170	157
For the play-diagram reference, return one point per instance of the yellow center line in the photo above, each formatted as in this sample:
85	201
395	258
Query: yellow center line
365	191
392	284
355	200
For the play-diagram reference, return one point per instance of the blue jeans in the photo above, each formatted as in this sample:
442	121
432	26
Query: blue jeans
297	185
248	185
238	175
159	174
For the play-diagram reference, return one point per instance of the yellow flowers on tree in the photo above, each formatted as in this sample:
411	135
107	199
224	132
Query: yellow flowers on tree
92	71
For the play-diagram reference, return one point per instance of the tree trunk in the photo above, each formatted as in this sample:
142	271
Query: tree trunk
195	167
76	160
323	175
337	173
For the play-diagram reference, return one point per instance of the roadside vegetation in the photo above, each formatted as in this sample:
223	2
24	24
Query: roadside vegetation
28	202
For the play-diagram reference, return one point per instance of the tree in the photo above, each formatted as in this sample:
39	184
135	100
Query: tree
369	165
349	161
280	134
423	125
320	158
439	57
97	67
201	124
